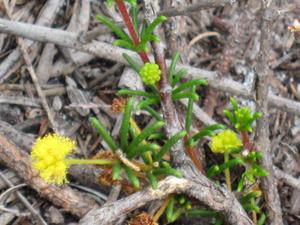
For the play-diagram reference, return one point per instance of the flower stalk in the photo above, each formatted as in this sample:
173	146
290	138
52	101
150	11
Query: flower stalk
227	172
102	162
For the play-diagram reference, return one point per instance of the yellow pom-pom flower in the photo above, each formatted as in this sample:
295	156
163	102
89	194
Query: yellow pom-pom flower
225	141
150	73
49	157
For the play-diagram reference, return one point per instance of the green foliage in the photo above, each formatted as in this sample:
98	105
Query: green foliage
177	205
262	219
132	177
189	112
172	67
145	36
125	124
137	144
168	145
149	147
116	29
104	133
242	118
208	131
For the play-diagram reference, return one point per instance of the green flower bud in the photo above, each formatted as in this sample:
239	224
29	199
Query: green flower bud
150	73
225	141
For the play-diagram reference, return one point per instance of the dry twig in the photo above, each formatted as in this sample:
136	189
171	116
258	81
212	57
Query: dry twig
269	184
107	51
46	18
26	203
33	75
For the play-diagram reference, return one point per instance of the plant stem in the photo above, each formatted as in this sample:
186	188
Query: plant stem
162	209
130	27
246	141
103	162
193	155
227	172
254	215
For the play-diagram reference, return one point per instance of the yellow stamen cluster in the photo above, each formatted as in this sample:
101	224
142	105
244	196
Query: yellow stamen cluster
225	141
49	157
150	73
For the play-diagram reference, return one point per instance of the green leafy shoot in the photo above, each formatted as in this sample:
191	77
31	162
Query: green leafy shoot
147	102
137	93
124	44
166	172
248	196
183	95
202	213
217	169
208	131
157	136
134	17
117	169
104	133
153	113
188	84
262	219
135	66
132	177
142	149
146	132
124	130
147	31
178	76
242	118
152	180
168	145
158	20
172	214
110	3
172	67
189	112
115	28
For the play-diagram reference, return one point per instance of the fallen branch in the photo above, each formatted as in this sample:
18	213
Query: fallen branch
268	183
34	78
203	4
286	178
46	17
113	211
107	51
217	198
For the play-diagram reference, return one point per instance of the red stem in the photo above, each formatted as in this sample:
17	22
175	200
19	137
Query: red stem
130	27
246	141
193	155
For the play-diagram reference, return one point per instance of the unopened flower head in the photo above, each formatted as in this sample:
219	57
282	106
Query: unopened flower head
150	73
49	157
225	141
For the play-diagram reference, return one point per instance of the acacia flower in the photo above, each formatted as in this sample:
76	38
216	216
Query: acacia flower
49	157
225	141
150	73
